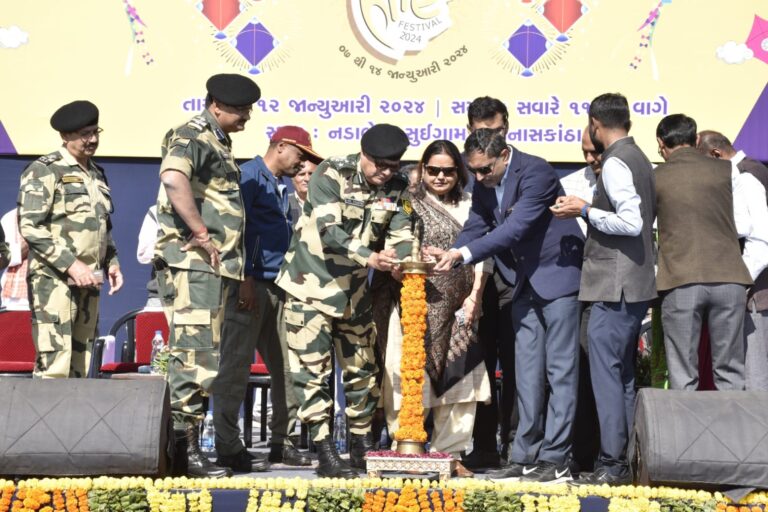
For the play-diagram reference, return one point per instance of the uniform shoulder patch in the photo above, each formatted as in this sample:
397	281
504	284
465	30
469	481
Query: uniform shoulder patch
199	123
406	205
50	158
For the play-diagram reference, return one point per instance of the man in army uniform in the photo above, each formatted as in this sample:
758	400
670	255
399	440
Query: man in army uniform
64	206
254	310
199	250
354	207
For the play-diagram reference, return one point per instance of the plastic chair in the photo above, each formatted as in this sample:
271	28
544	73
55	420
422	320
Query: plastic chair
259	379
17	350
140	327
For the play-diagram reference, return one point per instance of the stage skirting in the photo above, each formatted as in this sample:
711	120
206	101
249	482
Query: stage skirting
360	495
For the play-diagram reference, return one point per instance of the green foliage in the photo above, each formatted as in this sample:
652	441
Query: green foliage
670	505
121	500
335	500
492	501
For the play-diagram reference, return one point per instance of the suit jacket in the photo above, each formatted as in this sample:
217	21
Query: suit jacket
523	237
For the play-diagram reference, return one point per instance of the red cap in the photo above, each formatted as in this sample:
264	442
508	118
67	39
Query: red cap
299	137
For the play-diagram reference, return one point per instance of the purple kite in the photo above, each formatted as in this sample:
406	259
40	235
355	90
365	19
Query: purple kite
527	44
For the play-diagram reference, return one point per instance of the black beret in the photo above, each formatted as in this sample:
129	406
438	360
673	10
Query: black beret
384	141
233	89
75	116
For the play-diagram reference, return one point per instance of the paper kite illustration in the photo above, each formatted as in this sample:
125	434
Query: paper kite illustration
220	13
562	14
757	41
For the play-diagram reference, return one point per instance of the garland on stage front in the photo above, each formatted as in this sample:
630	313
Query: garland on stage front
413	303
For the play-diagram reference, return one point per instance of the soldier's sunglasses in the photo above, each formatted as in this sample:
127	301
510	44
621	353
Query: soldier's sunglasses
434	171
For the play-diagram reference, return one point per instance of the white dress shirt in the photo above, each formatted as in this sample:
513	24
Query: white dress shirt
620	188
750	211
581	184
147	237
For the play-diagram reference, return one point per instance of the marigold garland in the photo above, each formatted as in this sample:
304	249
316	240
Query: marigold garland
413	303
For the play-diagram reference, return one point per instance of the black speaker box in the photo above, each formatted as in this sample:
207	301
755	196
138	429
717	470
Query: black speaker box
701	438
71	427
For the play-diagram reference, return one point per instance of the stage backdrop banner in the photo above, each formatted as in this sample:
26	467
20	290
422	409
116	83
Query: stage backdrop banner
338	67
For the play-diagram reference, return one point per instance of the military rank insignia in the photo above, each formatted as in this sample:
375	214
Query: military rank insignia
407	206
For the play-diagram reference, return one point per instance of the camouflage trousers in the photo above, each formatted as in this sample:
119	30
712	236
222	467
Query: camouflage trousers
243	333
311	335
193	306
64	322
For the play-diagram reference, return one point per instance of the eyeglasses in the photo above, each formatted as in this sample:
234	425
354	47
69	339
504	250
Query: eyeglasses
434	171
486	169
89	134
241	110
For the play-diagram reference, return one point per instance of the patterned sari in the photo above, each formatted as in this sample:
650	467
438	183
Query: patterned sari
452	349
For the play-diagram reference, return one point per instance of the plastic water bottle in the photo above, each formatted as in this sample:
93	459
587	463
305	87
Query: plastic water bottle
157	346
340	432
207	439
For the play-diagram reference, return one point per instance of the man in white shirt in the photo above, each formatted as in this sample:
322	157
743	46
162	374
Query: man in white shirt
14	280
617	276
747	174
582	183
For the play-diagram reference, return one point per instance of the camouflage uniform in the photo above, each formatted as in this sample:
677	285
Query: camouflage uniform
64	215
192	291
326	276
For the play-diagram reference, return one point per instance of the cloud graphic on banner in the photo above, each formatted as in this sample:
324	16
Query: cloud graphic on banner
734	53
12	37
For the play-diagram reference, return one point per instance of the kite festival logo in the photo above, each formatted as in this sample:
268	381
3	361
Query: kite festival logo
393	28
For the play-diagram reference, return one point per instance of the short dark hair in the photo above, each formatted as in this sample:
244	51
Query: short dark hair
208	100
677	130
446	147
710	139
612	110
486	107
487	141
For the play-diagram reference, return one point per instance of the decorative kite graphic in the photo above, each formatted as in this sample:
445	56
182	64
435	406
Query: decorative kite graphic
757	40
647	30
251	47
535	47
137	36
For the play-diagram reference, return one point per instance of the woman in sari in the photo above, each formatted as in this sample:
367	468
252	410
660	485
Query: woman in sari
457	377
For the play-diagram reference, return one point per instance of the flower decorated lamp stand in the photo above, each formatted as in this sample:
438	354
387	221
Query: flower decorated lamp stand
411	436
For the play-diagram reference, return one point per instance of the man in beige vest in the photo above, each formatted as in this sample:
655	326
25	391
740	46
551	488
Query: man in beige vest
701	272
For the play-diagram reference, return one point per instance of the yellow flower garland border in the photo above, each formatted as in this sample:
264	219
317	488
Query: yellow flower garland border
266	492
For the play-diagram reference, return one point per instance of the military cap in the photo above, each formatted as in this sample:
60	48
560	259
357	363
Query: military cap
74	116
384	141
233	89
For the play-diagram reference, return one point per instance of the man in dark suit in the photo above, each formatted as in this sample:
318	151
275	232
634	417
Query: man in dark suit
539	259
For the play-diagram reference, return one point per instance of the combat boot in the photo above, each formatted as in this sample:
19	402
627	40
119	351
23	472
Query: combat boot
198	464
359	445
329	462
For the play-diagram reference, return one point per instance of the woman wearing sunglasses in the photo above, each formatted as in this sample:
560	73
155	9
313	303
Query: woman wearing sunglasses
457	375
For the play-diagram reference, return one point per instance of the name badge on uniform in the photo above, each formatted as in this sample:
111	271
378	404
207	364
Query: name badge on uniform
386	204
71	178
355	202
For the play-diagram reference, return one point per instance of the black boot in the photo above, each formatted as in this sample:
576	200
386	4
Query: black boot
359	445
198	464
288	455
329	462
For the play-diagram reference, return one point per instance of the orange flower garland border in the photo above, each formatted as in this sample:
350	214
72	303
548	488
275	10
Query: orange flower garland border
413	304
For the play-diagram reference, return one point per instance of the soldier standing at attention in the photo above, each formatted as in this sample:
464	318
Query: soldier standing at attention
354	206
64	206
199	250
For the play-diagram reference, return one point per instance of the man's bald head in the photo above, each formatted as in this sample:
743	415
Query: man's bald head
715	144
591	155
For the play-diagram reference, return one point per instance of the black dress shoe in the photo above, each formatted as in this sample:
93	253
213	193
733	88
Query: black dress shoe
359	445
243	462
198	464
329	462
481	459
288	455
602	476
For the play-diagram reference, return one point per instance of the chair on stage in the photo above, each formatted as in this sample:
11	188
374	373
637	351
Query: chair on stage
17	350
135	349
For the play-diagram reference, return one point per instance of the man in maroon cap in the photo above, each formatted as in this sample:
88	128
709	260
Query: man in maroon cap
254	311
